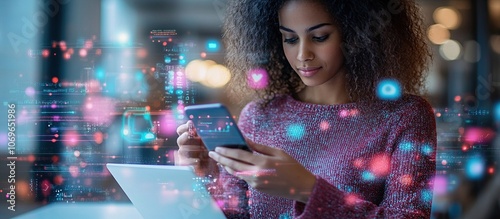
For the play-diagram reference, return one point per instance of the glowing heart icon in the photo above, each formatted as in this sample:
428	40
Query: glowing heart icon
256	77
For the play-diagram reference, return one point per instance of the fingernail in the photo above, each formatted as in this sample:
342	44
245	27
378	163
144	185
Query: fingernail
190	130
218	149
211	154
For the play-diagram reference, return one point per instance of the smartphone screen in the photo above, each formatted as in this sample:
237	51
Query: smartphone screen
215	126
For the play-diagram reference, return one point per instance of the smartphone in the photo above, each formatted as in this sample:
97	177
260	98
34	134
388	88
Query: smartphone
215	126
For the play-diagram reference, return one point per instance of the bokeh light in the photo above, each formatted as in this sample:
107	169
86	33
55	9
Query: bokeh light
83	53
217	76
475	167
427	149
168	125
98	137
58	180
474	135
406	146
324	125
472	51
67	56
74	171
196	70
438	34
450	50
495	43
71	138
406	180
63	46
29	91
45	53
380	165
99	109
440	185
123	38
426	195
448	17
93	86
367	176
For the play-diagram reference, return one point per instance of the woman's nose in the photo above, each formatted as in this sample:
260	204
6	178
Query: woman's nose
305	53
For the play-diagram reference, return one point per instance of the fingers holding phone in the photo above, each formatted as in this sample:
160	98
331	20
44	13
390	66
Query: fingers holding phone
215	126
191	149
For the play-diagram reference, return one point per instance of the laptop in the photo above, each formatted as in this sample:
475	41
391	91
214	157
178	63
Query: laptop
165	191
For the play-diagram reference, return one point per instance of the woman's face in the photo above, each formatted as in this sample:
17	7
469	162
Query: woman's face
311	41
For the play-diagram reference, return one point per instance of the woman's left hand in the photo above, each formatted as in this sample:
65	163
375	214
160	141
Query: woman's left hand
272	171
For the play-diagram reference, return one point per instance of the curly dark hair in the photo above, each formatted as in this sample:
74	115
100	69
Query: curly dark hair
380	39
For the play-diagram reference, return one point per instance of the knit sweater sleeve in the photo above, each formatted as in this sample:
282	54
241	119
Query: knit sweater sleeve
230	193
407	192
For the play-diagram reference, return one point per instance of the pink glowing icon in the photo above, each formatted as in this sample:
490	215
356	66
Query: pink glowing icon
257	78
46	187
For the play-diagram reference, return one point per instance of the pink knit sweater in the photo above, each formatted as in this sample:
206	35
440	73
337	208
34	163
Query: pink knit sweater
370	162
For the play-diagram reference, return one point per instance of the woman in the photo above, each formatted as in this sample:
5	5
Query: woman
326	143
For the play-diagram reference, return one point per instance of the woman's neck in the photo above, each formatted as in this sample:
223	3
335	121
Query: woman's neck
329	93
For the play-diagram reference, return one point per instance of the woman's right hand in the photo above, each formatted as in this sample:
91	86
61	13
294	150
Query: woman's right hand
192	151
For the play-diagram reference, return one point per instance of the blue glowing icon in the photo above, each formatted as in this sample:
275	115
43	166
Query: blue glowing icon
389	89
213	46
295	131
138	126
168	59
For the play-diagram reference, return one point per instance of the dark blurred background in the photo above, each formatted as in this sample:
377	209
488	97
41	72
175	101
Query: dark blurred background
100	81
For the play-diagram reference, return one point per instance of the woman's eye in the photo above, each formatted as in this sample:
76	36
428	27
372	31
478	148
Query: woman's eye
290	40
321	39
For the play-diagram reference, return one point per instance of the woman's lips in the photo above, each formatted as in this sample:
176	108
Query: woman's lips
308	71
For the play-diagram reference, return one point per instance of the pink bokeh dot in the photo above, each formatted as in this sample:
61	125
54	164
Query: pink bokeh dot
30	91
